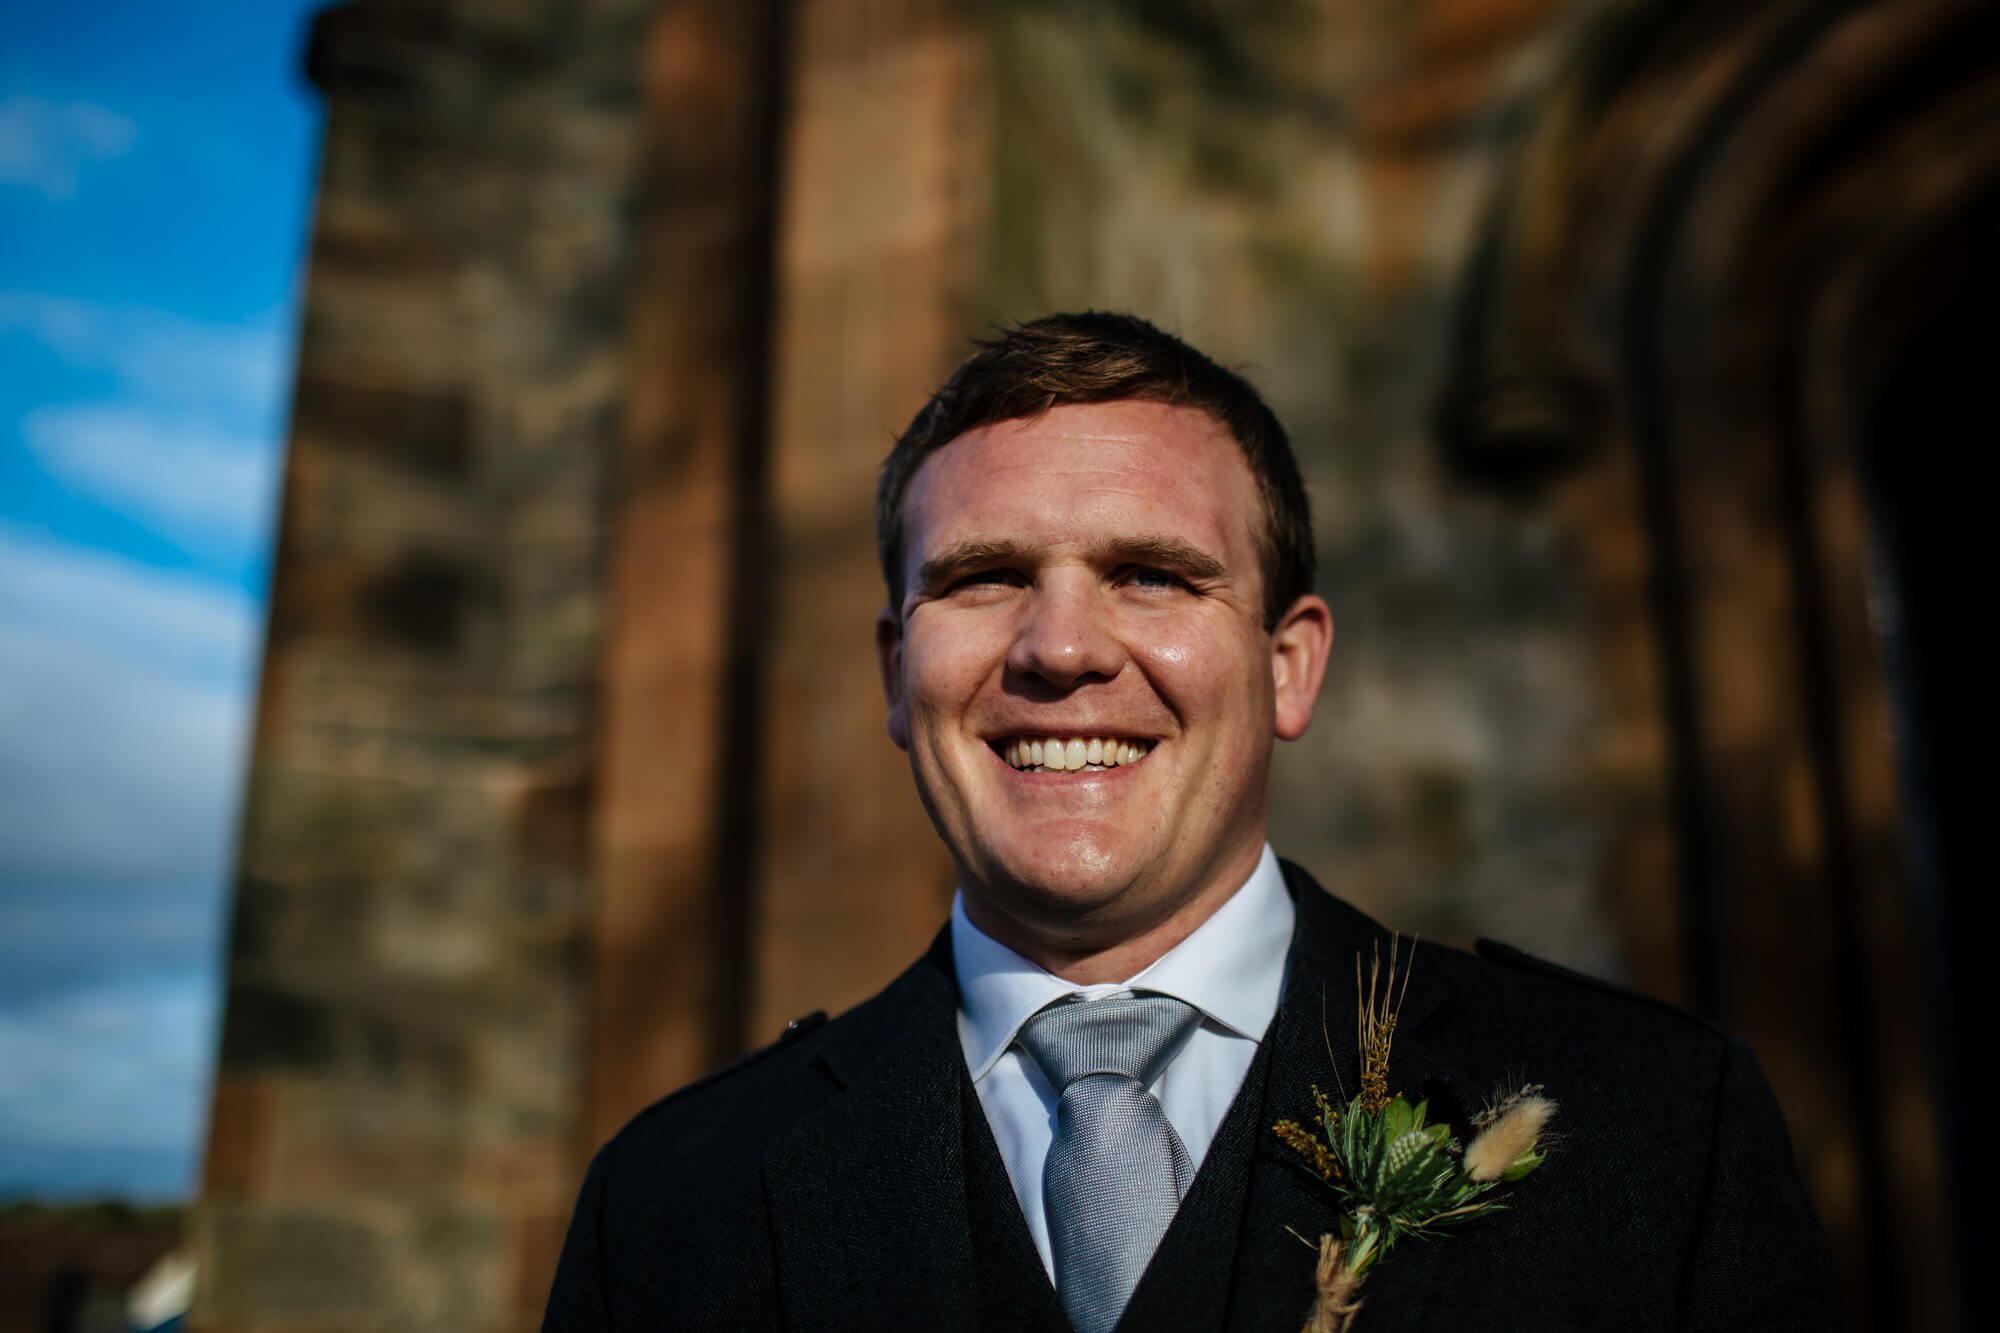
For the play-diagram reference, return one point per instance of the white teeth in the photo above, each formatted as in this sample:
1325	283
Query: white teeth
1071	755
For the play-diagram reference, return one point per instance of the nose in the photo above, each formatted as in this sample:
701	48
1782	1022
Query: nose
1065	635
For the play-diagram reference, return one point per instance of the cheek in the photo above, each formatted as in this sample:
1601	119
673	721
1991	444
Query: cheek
944	669
1202	674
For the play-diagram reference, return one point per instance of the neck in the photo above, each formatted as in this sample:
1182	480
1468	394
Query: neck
1090	953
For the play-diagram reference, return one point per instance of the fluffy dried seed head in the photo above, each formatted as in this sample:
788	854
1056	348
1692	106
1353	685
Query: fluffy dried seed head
1511	1136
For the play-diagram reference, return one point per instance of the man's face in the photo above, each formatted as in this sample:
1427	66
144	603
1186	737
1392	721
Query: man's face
1092	575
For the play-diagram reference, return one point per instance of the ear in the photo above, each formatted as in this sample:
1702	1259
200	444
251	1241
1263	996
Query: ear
1299	648
889	658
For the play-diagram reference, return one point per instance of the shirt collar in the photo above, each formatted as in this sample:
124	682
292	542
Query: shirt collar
1231	968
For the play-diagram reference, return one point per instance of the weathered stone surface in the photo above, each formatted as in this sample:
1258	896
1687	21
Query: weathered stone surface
878	261
300	1268
674	830
399	1102
329	1268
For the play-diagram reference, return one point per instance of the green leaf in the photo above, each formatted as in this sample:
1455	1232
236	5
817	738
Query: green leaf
1398	1119
1363	1148
1364	1245
1522	1165
1448	1218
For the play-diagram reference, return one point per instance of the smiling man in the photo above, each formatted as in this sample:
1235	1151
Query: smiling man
1100	617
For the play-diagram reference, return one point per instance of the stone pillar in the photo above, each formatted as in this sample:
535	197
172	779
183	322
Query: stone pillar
398	1094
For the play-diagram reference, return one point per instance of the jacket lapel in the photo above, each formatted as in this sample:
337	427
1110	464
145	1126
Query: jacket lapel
867	1196
1313	1043
1014	1289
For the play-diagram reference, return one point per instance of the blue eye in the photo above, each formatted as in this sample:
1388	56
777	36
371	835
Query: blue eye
1157	579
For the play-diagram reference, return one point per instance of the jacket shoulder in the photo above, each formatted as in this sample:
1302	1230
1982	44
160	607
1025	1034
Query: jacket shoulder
1507	957
1570	1015
721	1125
780	1059
1496	981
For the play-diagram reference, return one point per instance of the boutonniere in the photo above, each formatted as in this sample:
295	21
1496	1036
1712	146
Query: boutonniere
1394	1172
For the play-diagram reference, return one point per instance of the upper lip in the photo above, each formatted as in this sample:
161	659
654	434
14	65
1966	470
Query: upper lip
1064	731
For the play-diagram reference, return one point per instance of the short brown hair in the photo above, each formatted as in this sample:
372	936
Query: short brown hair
1099	357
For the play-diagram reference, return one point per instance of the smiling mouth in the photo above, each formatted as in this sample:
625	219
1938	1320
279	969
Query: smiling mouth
1067	754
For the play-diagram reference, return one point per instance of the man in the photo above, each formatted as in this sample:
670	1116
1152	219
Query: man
1101	613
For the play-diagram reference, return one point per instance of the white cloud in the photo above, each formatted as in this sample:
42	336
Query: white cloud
205	486
122	1064
126	694
161	622
45	145
123	720
124	707
187	441
235	372
62	933
110	774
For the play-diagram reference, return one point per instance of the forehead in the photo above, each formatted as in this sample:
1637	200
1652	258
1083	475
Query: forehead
1132	465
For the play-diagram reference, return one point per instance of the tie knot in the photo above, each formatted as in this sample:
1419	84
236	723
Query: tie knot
1133	1037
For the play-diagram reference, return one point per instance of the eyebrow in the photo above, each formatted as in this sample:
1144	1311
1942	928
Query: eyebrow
964	557
1160	551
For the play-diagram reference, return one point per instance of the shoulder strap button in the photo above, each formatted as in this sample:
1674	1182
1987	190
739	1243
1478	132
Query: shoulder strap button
798	1027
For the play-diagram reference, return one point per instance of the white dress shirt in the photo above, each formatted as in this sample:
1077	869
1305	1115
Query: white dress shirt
1231	968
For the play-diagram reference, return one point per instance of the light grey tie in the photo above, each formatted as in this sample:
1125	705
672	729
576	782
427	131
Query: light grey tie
1116	1171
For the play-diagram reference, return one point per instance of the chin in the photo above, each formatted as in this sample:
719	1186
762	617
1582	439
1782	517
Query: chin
1070	881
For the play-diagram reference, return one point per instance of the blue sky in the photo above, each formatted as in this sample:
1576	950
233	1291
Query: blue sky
156	172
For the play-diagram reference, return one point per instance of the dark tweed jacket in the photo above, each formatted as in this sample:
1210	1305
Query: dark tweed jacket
846	1178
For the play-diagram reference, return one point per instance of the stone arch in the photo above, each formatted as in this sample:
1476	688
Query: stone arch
1695	288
